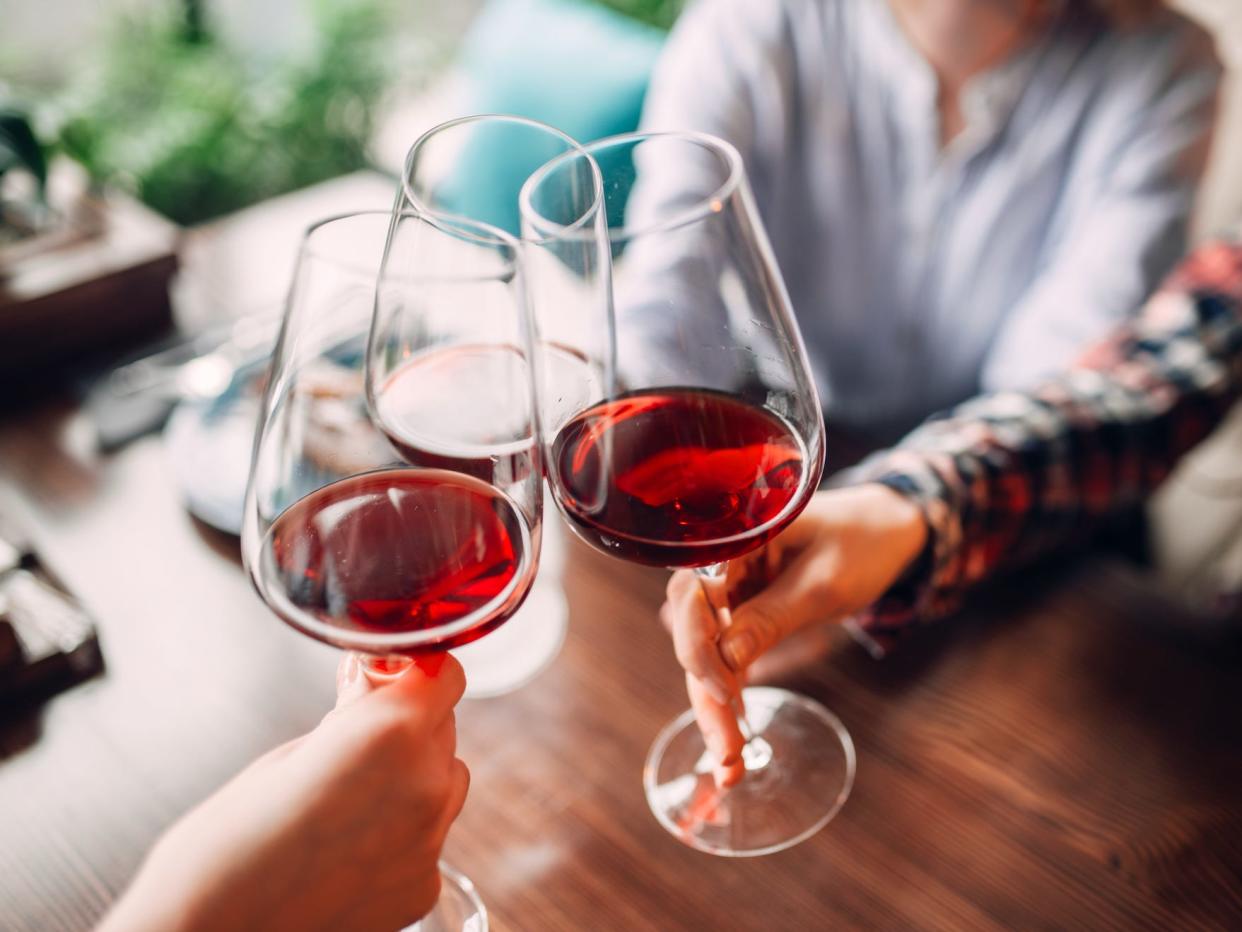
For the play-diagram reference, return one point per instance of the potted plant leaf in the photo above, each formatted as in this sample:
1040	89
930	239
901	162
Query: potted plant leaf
195	124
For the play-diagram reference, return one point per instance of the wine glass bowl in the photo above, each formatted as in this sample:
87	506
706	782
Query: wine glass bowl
347	539
473	169
708	440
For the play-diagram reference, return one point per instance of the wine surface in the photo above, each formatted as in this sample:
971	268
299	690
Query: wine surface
462	407
466	406
399	551
679	476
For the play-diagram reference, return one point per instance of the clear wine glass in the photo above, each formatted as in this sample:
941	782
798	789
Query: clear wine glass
473	168
345	538
708	442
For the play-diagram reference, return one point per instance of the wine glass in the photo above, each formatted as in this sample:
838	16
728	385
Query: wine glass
349	540
473	168
708	443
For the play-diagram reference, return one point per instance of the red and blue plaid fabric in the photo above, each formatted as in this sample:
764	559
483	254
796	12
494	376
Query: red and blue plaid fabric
1007	477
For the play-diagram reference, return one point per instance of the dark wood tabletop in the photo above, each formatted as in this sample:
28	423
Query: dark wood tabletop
1062	756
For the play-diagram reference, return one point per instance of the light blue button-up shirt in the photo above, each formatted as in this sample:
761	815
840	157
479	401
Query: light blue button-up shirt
921	275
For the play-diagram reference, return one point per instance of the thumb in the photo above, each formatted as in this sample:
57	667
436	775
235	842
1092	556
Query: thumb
351	680
791	600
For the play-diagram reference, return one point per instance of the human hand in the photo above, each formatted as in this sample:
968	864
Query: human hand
339	829
840	555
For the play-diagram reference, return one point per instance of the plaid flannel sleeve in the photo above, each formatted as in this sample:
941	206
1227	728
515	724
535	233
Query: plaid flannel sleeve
1004	478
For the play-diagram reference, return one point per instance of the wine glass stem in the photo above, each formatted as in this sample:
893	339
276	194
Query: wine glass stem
756	752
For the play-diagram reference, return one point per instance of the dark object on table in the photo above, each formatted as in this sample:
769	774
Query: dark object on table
137	397
95	283
47	641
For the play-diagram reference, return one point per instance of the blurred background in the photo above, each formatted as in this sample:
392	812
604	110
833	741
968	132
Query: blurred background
196	109
159	160
173	100
163	116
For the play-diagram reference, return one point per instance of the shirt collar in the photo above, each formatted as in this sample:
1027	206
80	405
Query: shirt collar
988	99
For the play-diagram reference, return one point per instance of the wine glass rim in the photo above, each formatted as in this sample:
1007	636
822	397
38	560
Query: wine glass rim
482	233
705	206
575	148
378	642
309	249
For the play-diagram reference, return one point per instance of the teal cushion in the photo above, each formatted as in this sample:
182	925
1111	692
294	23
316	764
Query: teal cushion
572	64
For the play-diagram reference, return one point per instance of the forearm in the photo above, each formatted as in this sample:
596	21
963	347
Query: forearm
1007	477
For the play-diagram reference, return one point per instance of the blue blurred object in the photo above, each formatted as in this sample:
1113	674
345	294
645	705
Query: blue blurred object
576	66
208	446
209	442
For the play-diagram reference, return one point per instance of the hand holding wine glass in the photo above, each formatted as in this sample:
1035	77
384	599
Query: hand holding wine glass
282	844
372	523
838	557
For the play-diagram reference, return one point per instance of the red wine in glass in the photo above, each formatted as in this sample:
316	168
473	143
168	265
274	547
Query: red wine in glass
680	476
452	407
398	551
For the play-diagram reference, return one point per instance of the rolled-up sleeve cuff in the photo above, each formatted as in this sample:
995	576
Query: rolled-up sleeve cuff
930	588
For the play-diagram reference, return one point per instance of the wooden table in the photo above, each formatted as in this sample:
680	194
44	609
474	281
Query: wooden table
1058	758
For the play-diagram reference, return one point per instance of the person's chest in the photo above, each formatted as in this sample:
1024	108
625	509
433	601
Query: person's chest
885	235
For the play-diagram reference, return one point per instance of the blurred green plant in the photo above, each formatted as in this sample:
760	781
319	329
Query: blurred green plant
19	148
197	128
660	13
21	214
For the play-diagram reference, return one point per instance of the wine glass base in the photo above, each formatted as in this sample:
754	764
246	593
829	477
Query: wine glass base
520	649
784	798
458	909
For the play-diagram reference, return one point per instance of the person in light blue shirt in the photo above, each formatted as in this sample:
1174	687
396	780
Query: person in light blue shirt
960	193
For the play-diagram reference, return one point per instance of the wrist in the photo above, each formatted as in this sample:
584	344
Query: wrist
904	522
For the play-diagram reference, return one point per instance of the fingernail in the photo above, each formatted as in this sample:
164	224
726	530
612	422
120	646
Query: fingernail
348	672
716	690
738	648
429	664
724	777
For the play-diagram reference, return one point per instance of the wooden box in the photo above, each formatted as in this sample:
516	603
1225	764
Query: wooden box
95	284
